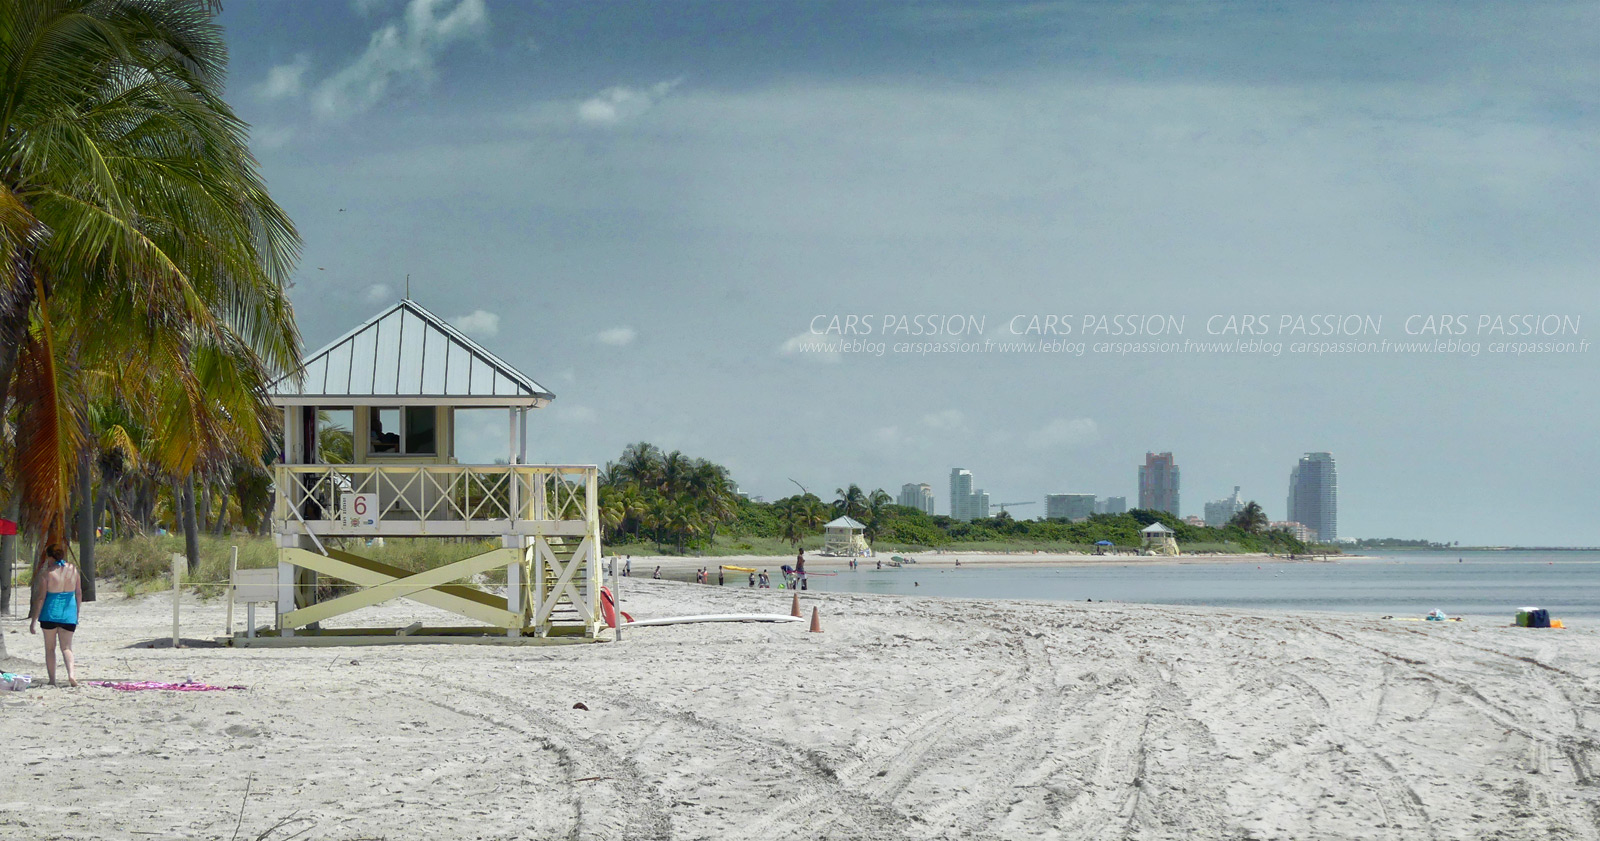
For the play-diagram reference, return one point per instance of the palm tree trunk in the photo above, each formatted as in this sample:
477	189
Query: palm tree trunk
191	532
86	521
9	350
100	503
205	505
8	555
222	516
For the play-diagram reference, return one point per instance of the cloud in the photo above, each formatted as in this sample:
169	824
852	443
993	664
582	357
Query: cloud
574	413
379	292
889	436
366	8
285	80
613	105
480	323
946	420
400	54
1062	432
271	137
617	336
810	346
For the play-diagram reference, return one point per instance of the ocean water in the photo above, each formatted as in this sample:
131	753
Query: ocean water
1403	584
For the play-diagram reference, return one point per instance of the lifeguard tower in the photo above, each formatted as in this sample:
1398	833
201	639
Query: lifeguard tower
1159	540
845	537
369	426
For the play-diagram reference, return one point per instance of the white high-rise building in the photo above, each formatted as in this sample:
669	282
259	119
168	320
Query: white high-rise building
917	495
1220	511
1069	506
966	503
960	494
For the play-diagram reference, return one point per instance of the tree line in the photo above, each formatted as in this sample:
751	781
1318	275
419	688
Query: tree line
669	499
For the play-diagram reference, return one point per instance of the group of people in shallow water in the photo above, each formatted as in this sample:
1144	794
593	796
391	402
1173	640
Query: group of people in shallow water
57	595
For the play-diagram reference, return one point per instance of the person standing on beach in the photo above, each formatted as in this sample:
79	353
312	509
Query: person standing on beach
55	608
752	581
720	582
657	573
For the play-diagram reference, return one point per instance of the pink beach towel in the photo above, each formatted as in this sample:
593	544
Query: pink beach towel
140	685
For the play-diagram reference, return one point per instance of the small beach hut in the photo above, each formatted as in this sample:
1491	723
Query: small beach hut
845	536
1159	540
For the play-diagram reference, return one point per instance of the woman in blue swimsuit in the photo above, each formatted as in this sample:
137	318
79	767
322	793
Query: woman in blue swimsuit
55	609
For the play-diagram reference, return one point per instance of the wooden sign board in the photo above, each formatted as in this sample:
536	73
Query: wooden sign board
255	585
358	510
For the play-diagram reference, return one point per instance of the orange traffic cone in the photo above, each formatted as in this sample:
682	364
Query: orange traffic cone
816	620
794	608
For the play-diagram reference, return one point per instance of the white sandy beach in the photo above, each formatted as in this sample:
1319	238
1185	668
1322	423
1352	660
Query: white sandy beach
906	718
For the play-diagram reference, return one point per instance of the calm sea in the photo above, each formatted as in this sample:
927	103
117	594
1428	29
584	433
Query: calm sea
1405	584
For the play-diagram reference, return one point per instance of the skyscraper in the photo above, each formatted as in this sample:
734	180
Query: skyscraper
1111	505
917	495
961	494
1068	506
1158	483
966	502
1314	495
1219	512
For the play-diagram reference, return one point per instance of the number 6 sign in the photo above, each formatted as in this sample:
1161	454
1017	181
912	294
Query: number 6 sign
359	510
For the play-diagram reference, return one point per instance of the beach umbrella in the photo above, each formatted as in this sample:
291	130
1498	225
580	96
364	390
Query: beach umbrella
1102	543
7	527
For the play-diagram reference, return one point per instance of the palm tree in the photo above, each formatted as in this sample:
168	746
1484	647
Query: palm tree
675	471
140	254
1252	519
878	503
640	464
852	502
632	503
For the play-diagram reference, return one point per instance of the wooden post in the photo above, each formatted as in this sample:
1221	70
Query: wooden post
511	438
285	593
178	563
616	598
593	576
233	575
522	434
514	589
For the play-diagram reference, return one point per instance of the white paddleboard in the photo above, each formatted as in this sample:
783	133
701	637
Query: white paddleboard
714	617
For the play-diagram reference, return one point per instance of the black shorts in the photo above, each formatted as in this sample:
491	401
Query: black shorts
58	626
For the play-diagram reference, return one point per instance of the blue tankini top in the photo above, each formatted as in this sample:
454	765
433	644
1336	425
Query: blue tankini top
60	607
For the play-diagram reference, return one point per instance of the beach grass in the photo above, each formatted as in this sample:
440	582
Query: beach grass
143	564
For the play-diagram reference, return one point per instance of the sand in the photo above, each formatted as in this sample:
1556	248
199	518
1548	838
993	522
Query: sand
907	718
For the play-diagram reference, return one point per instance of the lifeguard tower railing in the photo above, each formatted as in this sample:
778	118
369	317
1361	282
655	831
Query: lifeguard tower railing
546	516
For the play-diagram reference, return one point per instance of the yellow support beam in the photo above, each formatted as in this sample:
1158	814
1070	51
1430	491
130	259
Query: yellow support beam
381	587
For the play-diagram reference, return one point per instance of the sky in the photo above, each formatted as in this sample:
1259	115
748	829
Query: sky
658	210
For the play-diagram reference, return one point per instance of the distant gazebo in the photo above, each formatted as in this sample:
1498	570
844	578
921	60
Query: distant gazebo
845	536
1159	540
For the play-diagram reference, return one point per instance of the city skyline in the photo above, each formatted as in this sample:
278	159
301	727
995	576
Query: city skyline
710	180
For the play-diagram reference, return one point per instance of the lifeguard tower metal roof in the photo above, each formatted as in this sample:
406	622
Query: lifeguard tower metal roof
1156	528
406	355
844	523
